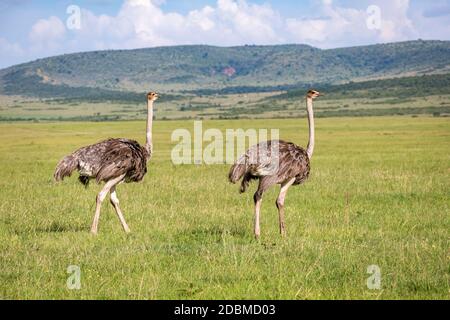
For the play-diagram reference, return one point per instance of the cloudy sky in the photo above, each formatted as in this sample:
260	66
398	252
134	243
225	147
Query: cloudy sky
31	29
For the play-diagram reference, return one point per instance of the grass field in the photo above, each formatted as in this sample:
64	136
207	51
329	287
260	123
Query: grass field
378	195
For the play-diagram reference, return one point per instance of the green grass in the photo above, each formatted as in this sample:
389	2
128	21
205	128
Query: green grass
378	194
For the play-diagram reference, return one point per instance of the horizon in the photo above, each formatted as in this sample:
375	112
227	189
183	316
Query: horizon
47	29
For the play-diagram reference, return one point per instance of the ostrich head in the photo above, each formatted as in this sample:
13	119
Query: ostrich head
152	96
313	94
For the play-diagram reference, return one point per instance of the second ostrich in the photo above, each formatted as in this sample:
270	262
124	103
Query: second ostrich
276	162
112	161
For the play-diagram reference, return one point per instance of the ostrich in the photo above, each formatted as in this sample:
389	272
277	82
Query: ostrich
112	161
275	162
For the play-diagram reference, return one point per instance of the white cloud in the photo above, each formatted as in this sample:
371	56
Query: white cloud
142	23
340	26
395	22
203	19
47	37
47	30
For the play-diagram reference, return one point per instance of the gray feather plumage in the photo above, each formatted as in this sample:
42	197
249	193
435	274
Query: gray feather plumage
272	162
106	160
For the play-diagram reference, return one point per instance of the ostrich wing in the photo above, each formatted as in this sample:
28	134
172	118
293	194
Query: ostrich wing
123	157
293	162
262	159
277	159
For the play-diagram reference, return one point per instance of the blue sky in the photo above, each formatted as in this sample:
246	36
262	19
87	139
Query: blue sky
34	29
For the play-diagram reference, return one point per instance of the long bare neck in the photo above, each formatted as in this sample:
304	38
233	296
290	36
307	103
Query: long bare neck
149	141
309	108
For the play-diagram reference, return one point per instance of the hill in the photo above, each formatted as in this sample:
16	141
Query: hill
190	68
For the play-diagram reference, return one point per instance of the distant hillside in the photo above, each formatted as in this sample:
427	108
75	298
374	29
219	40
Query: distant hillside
402	88
424	95
187	68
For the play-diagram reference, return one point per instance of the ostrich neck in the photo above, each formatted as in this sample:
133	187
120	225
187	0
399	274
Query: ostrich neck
309	108
149	141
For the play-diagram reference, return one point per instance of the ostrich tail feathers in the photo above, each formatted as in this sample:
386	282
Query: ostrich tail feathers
246	182
84	181
65	168
237	171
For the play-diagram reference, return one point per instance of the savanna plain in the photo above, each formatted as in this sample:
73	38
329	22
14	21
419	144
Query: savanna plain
378	194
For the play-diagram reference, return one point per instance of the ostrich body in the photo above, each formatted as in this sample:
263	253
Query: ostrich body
113	162
275	162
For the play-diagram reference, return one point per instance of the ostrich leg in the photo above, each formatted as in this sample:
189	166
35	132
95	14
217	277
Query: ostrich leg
115	202
258	201
280	204
100	198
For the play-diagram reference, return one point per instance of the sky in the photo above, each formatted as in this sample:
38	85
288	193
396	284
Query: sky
32	29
